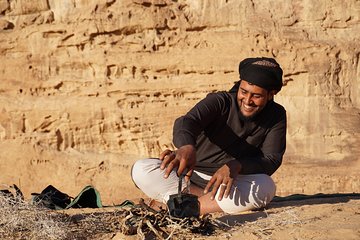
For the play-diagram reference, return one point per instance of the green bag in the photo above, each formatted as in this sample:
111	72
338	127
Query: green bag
52	198
89	197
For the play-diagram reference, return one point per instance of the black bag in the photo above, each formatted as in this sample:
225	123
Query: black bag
51	198
183	205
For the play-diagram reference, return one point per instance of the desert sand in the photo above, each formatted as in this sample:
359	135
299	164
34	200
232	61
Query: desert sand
89	87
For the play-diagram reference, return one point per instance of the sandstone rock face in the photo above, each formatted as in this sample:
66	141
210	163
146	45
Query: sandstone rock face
88	87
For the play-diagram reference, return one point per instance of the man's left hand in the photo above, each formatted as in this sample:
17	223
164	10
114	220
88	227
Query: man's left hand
223	179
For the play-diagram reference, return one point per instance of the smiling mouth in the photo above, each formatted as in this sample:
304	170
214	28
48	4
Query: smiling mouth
248	108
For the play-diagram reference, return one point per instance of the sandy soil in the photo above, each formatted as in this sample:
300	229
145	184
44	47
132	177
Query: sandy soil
318	218
328	217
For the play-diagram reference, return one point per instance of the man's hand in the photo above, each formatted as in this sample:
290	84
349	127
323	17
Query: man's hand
184	159
223	179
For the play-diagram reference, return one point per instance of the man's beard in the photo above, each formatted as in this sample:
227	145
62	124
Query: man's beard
248	118
252	117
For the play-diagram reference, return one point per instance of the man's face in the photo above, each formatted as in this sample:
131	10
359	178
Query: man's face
252	99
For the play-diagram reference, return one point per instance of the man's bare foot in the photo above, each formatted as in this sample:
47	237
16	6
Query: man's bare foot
155	205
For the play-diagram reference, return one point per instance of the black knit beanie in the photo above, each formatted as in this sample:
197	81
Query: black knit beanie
261	71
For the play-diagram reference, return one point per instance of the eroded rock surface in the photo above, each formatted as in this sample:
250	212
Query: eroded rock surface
87	87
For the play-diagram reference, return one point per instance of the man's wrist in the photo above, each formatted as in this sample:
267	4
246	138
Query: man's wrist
188	146
235	165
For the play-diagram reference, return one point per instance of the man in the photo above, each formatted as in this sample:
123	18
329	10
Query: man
228	145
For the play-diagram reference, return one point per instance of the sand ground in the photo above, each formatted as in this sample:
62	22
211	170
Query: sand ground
335	218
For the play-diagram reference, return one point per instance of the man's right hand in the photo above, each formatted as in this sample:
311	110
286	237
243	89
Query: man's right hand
184	159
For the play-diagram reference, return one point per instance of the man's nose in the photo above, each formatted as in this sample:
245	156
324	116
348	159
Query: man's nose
247	98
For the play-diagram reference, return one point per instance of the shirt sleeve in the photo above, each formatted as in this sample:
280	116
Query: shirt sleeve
188	127
272	151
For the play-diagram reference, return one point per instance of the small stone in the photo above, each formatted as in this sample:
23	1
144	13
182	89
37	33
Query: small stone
6	25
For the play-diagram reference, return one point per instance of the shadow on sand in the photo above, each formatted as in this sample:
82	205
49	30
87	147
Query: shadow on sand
288	201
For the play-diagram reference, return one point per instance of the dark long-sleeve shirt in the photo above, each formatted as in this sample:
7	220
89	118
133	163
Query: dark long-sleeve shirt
215	128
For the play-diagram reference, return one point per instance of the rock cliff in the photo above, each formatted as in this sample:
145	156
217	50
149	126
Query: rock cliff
88	87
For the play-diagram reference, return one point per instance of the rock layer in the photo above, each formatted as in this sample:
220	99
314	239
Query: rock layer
87	87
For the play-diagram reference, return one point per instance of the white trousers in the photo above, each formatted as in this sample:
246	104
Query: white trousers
248	191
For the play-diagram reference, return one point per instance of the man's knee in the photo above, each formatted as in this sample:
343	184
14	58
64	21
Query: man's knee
265	191
250	192
149	178
141	169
